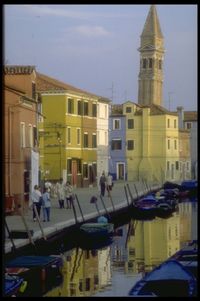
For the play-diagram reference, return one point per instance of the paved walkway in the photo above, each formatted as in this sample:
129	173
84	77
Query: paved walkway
63	218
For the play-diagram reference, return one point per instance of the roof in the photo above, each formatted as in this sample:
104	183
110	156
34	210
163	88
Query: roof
46	83
190	116
152	24
155	110
18	69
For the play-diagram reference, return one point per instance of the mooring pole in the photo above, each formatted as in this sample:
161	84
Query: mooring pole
126	194
130	193
136	191
38	219
97	208
110	197
13	245
74	210
79	206
26	227
105	207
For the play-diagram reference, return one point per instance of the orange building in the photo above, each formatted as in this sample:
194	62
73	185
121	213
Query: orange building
20	134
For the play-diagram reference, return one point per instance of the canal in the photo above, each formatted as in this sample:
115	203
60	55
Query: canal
112	269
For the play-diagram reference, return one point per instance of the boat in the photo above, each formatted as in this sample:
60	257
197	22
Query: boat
188	257
190	187
144	208
14	285
41	272
170	279
97	230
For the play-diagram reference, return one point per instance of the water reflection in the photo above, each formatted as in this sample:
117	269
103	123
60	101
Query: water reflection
137	247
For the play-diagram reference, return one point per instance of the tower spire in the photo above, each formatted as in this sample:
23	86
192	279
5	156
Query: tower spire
150	79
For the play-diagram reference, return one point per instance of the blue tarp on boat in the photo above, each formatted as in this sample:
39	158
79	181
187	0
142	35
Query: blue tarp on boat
33	261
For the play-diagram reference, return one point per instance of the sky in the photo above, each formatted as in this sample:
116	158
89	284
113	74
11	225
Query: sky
94	47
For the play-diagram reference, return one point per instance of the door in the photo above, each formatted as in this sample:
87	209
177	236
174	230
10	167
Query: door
120	171
74	173
91	174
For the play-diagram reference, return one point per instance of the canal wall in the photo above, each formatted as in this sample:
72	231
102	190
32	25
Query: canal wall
63	219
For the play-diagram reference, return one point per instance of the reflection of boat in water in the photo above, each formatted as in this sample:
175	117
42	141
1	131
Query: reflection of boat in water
41	272
170	279
14	285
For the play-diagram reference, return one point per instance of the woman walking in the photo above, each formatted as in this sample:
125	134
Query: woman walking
69	195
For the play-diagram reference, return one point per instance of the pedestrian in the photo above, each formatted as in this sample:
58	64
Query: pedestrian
109	183
60	193
69	194
46	205
36	201
48	185
102	183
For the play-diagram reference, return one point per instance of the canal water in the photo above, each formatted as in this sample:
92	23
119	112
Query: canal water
135	249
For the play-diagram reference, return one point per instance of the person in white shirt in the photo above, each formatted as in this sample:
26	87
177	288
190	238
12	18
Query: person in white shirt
46	204
35	198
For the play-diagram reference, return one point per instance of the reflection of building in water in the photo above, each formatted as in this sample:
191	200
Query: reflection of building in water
84	272
188	221
119	251
153	242
104	267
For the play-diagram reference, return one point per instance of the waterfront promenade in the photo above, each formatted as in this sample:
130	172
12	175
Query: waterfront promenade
63	218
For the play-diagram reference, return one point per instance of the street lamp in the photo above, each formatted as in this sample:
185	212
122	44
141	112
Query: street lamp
60	141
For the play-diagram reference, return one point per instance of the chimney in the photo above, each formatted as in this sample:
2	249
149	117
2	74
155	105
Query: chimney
180	117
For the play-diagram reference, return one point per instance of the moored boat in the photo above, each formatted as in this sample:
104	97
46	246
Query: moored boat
13	284
170	279
97	230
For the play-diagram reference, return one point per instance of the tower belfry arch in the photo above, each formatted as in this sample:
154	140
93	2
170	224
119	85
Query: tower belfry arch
150	79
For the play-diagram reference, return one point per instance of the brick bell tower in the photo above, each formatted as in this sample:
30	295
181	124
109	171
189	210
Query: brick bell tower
150	79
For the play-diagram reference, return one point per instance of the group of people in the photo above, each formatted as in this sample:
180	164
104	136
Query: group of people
43	200
106	183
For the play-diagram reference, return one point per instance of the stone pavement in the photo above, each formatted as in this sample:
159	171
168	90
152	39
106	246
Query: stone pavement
63	218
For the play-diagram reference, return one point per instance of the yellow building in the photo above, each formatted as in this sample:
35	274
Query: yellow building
152	137
67	128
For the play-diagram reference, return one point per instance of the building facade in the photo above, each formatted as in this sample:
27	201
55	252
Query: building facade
21	157
68	132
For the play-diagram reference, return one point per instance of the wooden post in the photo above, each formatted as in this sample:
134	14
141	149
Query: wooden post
13	245
105	207
79	206
74	210
38	219
110	197
26	227
136	191
97	208
128	188
126	194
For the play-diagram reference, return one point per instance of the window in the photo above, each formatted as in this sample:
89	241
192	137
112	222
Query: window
70	106
33	90
175	123
177	165
150	63
30	135
85	108
69	135
69	166
188	125
35	136
78	133
94	110
116	124
130	123
168	123
130	145
144	63
22	134
85	170
79	103
79	166
175	144
85	140
94	140
168	144
128	109
160	64
116	144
